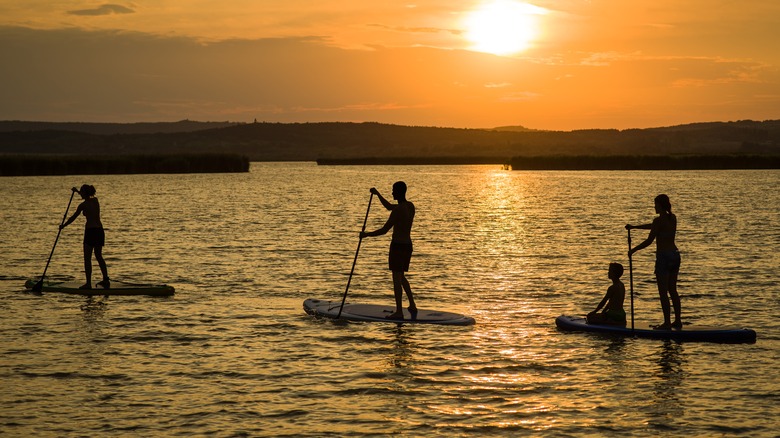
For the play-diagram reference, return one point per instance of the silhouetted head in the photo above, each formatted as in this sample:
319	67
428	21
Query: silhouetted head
615	270
87	191
662	203
399	190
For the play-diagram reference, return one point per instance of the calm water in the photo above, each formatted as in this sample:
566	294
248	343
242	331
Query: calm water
233	353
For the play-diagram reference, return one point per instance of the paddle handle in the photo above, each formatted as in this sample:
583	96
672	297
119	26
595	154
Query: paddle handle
38	285
631	277
354	262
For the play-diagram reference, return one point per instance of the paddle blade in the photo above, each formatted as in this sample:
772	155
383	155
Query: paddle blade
38	286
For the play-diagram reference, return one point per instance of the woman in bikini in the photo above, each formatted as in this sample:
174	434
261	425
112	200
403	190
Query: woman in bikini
94	235
667	258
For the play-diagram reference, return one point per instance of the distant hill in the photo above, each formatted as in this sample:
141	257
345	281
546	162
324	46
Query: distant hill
517	128
312	141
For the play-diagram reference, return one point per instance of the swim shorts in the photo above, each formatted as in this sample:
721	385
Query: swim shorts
94	237
400	256
667	262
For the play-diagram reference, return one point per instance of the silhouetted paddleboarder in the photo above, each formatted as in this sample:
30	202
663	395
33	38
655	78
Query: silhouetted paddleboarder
667	258
400	220
94	235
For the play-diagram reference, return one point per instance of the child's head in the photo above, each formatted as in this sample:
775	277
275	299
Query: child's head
615	271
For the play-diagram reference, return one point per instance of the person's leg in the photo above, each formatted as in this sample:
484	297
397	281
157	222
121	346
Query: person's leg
106	283
663	281
87	266
596	318
675	300
408	290
398	291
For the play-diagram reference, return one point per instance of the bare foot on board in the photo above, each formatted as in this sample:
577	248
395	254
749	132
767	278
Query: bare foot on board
395	315
664	326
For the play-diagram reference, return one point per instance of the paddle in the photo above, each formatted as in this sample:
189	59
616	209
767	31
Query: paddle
39	285
354	262
631	276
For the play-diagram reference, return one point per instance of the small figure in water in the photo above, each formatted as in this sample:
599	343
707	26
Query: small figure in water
94	235
401	218
667	258
613	311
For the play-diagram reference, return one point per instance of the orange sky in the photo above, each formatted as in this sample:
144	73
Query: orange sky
579	64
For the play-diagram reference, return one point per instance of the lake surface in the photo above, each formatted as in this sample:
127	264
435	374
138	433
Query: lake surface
233	353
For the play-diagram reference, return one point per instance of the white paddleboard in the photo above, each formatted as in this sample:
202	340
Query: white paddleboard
378	313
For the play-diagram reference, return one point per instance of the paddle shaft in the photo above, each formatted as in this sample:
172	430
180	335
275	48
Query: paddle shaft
354	262
631	278
38	286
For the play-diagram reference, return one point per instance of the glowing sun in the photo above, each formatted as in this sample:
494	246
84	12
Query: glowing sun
503	27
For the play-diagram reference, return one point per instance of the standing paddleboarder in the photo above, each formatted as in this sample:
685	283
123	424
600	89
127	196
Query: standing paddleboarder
400	220
667	258
94	235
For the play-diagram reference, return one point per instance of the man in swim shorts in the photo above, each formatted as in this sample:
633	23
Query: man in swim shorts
400	220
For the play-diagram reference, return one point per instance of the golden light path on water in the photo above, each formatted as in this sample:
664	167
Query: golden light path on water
232	353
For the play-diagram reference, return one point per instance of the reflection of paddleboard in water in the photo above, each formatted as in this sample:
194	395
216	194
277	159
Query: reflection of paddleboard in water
696	334
377	313
117	288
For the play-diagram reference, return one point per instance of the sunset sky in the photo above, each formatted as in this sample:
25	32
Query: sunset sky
552	64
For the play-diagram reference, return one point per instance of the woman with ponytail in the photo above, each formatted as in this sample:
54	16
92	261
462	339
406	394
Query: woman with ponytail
94	235
667	258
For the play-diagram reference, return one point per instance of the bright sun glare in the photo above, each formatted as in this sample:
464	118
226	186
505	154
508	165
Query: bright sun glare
502	27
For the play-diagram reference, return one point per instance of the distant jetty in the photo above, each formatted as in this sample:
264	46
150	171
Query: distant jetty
646	162
393	161
30	165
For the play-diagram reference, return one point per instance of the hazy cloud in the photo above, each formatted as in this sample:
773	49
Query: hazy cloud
405	29
498	85
521	96
106	9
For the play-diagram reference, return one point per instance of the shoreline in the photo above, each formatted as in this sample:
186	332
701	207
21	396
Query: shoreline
579	162
647	162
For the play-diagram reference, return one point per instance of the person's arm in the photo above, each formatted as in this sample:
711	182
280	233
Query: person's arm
602	303
73	218
639	227
382	231
387	204
648	241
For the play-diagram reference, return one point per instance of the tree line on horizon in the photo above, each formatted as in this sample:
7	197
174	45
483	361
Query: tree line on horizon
344	140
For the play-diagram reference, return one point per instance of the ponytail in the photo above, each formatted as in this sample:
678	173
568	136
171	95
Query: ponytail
664	202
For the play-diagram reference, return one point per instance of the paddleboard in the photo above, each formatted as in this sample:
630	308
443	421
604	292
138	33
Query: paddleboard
117	288
377	313
643	330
